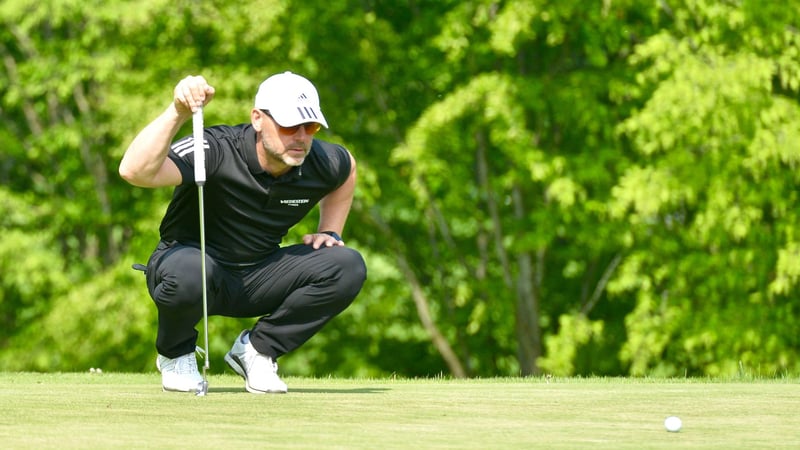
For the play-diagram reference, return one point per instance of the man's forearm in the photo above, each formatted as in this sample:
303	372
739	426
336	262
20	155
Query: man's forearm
144	158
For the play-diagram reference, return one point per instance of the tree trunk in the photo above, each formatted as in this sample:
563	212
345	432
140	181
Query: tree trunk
529	278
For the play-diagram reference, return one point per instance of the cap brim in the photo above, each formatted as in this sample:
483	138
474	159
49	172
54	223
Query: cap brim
296	115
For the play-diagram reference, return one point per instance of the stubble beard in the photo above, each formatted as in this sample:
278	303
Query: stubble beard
284	158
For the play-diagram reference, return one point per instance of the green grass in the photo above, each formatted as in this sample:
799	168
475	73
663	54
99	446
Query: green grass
83	410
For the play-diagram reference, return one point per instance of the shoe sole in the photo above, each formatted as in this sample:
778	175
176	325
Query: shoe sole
164	389
238	367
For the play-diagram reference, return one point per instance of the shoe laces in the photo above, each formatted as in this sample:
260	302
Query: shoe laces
257	359
185	365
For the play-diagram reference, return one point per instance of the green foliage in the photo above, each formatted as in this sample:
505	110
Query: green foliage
32	270
710	203
94	325
577	188
562	349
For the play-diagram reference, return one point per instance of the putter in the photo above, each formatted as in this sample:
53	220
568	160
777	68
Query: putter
200	179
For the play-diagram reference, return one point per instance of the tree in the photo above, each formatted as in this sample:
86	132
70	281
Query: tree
512	169
711	203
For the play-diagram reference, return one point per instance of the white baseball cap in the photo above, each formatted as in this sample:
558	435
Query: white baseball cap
290	100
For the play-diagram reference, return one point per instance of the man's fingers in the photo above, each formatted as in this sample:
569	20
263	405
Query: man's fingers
319	240
200	90
193	92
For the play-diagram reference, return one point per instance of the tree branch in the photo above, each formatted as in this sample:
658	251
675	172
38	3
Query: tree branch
601	285
421	302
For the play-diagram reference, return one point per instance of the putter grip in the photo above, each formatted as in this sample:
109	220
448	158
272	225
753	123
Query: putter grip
199	149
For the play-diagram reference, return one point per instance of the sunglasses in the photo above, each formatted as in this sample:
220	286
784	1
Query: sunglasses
311	128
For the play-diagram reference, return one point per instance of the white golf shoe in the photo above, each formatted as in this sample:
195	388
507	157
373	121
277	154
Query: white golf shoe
259	371
179	374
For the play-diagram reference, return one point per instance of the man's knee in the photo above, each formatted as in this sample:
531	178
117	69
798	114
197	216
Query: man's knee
178	284
353	270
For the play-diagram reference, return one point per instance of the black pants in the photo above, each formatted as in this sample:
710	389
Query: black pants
295	293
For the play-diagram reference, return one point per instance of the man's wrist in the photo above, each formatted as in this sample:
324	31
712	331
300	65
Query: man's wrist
332	234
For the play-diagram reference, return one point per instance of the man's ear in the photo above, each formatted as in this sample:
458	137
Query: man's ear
255	119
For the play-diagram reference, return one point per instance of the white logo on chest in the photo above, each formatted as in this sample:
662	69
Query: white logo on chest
294	202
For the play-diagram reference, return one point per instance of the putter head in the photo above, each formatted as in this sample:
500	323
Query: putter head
202	389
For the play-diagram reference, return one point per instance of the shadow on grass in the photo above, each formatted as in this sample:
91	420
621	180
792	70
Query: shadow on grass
231	390
366	390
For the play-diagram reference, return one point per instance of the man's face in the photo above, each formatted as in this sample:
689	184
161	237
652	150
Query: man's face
285	147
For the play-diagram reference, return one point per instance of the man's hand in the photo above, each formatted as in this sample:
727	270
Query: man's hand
145	162
318	240
191	93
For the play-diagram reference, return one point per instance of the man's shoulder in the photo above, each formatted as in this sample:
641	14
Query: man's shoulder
227	131
232	139
328	150
329	160
326	146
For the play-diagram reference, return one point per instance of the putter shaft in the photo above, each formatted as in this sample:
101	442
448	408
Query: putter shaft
200	179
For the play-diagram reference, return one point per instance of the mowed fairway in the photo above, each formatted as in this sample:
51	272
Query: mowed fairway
83	410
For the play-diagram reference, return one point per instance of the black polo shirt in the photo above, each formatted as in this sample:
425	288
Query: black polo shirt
247	210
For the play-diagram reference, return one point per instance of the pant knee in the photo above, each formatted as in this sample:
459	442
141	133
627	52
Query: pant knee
180	288
353	272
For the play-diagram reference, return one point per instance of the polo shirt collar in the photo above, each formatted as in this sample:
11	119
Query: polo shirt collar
250	153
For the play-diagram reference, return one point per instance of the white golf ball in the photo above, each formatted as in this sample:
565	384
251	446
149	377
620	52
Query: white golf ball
673	424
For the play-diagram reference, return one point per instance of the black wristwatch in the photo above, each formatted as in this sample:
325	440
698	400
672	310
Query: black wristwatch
332	234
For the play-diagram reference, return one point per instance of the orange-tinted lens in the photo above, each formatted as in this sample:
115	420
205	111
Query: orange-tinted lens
310	128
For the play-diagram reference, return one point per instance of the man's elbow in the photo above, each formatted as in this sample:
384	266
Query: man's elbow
127	173
124	172
132	176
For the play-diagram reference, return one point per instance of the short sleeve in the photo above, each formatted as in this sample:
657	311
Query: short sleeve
181	152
